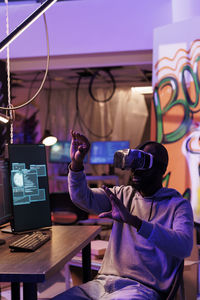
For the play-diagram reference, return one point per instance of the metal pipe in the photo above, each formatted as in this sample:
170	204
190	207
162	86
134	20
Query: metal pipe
26	23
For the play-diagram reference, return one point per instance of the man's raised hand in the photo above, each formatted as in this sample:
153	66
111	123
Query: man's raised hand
78	149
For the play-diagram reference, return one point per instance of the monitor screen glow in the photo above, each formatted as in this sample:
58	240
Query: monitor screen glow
102	152
60	152
29	187
5	203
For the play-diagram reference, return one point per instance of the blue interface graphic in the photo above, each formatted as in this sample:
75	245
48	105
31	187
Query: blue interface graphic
25	183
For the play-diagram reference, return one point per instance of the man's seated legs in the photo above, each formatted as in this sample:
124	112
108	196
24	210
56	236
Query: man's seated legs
109	288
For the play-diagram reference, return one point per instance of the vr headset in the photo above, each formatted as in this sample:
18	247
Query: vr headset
133	159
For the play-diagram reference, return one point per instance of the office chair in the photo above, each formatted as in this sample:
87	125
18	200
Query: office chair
185	284
63	211
177	285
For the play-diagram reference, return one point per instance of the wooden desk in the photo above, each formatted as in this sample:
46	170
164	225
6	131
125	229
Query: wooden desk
31	268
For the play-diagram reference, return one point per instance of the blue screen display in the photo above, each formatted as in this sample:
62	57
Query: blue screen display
25	183
29	187
102	152
60	152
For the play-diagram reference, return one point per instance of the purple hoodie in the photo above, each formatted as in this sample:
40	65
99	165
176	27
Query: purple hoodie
153	254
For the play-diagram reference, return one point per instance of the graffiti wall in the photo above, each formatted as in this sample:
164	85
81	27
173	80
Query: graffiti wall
176	109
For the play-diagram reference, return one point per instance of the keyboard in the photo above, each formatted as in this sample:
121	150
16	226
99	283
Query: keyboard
30	242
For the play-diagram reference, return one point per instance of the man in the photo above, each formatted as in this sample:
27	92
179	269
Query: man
151	234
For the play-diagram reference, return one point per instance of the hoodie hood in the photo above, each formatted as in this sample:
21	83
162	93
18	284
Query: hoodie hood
164	194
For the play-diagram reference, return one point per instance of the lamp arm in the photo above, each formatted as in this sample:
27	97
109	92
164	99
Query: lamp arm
26	23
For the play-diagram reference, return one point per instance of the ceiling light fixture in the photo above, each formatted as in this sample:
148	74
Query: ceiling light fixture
4	119
26	23
142	89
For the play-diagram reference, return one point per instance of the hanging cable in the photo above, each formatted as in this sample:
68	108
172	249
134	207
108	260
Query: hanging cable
78	115
32	83
30	89
44	78
94	76
48	104
8	78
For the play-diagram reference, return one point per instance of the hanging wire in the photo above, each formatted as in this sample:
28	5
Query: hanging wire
30	89
8	77
12	108
80	119
94	76
47	122
77	116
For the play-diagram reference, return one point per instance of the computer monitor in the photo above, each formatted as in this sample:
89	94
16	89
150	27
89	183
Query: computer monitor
102	152
60	152
29	187
5	204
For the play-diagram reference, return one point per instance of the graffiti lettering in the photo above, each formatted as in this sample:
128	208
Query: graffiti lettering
181	96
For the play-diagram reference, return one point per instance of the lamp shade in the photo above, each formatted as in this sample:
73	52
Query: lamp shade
4	119
48	139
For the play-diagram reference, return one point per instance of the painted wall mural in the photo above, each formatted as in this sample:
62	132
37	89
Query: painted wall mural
176	117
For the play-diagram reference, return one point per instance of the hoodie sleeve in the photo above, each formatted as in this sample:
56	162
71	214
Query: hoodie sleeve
177	241
92	200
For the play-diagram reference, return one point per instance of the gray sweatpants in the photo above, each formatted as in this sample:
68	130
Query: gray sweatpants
107	287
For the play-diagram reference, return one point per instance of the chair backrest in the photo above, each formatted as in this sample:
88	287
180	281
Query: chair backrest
191	271
185	284
61	206
177	283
